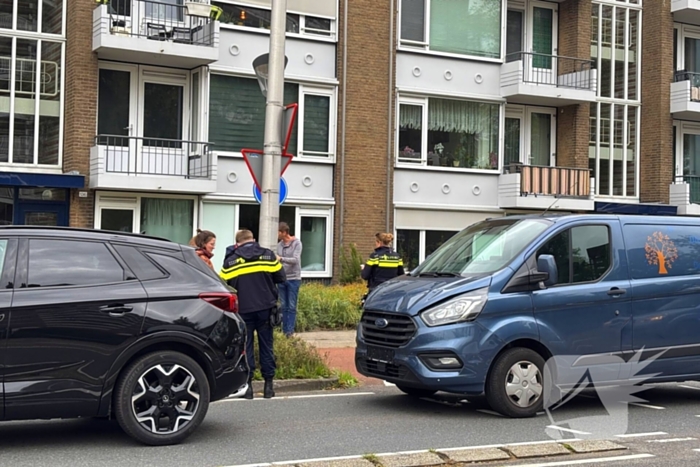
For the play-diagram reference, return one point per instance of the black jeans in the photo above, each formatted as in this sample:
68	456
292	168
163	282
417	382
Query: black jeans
260	321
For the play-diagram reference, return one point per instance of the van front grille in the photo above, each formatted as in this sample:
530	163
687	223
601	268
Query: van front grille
398	332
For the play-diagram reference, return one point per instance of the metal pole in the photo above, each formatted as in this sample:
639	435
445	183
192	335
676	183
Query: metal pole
274	119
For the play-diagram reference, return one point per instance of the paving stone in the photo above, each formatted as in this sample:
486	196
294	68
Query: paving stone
339	463
537	450
593	445
477	455
412	460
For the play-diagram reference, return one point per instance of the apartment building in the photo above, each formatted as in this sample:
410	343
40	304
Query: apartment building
415	116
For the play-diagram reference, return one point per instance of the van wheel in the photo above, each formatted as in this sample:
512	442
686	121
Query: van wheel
415	392
515	386
161	398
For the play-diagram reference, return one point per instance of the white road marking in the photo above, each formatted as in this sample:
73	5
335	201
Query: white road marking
307	396
555	427
688	387
640	435
647	406
696	450
672	440
599	460
387	383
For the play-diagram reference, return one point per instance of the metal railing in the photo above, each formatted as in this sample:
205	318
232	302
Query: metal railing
160	21
135	155
552	181
694	78
553	70
693	182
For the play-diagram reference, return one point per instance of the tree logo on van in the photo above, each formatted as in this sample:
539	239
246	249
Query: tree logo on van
661	251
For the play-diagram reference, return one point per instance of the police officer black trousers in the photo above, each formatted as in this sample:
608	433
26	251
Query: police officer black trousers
259	322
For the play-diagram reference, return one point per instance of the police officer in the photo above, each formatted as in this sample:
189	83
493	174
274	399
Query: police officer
253	271
383	264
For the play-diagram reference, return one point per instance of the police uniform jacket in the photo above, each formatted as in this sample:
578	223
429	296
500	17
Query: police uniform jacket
253	271
383	264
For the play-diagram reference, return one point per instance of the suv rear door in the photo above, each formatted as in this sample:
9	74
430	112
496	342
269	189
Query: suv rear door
77	306
8	259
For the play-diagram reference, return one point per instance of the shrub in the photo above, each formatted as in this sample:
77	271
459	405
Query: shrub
322	307
296	359
350	267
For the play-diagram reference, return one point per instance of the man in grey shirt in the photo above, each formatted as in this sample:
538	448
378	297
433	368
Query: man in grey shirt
289	254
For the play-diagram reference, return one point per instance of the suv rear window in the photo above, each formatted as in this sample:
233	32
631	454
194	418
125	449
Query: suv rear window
141	266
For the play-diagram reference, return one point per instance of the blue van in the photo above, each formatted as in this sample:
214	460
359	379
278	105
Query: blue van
485	312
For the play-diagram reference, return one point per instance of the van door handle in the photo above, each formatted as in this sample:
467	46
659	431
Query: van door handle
116	309
615	291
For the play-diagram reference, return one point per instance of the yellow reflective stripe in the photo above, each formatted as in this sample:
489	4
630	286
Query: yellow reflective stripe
250	268
390	263
252	263
372	262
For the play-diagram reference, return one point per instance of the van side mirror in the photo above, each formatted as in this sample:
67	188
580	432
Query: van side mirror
547	270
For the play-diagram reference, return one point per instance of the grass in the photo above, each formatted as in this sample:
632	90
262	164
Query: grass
333	307
345	380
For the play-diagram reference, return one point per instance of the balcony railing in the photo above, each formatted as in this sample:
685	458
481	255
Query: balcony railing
159	21
693	182
552	181
131	155
553	70
694	78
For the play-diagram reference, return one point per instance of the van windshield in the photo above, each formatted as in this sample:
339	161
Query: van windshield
482	248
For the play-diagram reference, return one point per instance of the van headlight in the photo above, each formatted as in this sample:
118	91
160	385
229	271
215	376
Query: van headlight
463	308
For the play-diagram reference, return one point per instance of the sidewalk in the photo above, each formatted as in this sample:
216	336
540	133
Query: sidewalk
338	348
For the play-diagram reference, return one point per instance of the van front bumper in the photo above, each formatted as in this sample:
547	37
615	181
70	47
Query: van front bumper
453	358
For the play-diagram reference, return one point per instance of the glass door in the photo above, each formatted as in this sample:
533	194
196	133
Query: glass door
543	43
541	137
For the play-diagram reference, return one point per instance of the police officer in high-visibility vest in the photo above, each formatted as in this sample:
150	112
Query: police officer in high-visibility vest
254	272
383	264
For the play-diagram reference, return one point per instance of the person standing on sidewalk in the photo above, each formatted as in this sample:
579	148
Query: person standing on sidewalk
253	271
383	264
204	242
289	254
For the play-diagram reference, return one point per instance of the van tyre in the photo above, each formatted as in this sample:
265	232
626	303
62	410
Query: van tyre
161	398
515	385
415	392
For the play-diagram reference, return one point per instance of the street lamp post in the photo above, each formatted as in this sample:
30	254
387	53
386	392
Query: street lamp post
269	69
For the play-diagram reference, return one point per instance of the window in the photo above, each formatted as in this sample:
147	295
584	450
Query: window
143	268
455	27
687	156
582	254
91	263
260	18
237	117
36	114
313	235
3	252
415	246
27	18
458	134
614	146
530	136
655	251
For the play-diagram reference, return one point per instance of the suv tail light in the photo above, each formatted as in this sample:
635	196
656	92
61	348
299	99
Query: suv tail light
227	302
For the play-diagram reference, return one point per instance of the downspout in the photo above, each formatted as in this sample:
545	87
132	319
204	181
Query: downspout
389	153
342	125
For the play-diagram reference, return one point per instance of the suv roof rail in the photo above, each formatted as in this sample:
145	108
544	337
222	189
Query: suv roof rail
80	229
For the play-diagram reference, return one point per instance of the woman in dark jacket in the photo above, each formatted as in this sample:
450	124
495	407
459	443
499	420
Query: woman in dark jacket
383	264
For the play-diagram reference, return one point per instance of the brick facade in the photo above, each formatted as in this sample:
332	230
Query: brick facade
656	159
80	104
367	170
573	121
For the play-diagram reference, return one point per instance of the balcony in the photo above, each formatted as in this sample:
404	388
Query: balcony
547	80
685	194
686	11
155	33
152	164
685	96
541	188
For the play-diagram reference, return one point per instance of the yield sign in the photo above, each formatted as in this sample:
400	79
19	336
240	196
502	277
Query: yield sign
254	160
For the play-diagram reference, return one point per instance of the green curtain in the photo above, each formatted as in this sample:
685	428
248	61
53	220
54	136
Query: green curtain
410	117
316	118
470	27
542	25
237	113
168	218
540	139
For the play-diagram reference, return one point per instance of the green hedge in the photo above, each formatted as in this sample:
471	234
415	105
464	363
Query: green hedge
329	307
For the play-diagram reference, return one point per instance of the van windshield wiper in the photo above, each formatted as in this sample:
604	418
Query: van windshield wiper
438	274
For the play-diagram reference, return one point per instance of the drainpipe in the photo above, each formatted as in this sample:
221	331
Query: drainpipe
389	154
342	130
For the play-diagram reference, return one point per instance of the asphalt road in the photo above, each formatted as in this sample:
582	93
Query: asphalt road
376	420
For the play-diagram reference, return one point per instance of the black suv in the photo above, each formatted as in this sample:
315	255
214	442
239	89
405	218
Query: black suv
102	324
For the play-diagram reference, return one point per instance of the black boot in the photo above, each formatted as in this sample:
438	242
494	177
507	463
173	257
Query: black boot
249	391
269	392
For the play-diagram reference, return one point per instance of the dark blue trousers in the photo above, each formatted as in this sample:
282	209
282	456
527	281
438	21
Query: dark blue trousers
259	322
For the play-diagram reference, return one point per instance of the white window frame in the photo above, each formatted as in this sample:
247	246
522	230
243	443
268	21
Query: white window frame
305	90
423	165
684	31
424	47
132	202
332	37
40	20
682	128
524	114
421	240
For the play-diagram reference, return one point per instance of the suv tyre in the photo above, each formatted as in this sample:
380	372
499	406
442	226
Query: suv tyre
515	386
161	398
